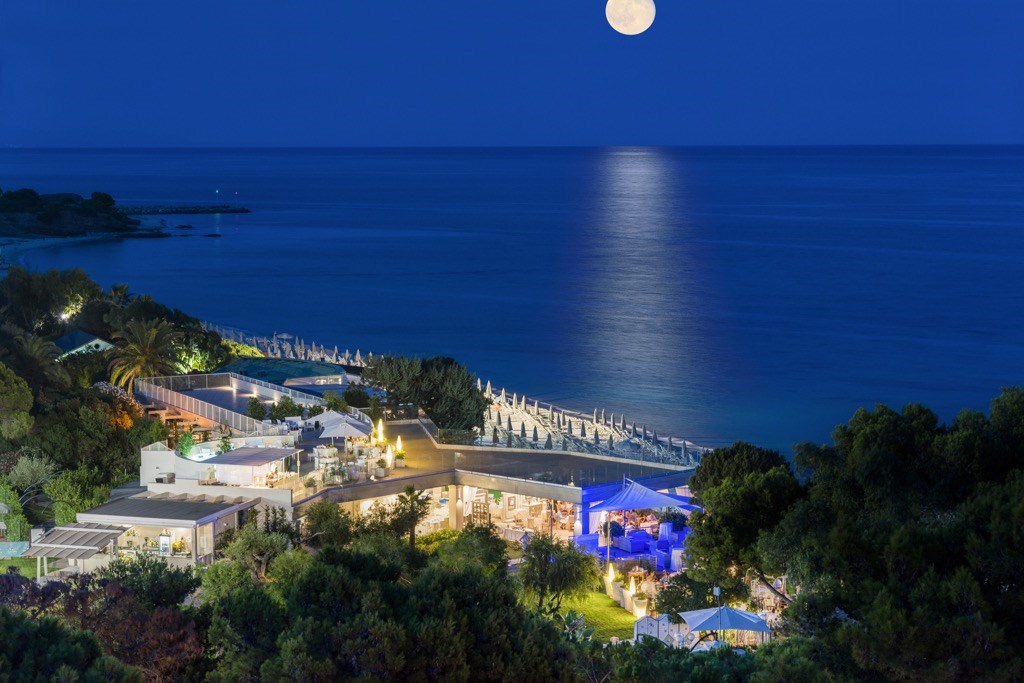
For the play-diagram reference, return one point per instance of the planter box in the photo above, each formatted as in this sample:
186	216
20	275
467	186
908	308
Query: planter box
399	463
381	472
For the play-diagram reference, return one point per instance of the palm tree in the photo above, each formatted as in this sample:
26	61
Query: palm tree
36	361
145	348
410	509
119	295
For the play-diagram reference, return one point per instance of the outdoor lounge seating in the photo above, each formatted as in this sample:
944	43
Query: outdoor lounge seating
635	542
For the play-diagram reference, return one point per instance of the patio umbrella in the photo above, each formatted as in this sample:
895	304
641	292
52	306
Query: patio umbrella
547	442
570	428
522	430
503	394
597	440
633	430
583	429
724	619
343	429
509	418
611	447
595	415
536	407
515	401
494	436
551	412
535	433
602	416
487	390
479	385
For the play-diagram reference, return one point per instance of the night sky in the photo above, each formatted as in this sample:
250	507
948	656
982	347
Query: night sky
509	72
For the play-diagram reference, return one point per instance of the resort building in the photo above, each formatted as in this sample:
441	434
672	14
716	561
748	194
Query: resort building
187	497
79	341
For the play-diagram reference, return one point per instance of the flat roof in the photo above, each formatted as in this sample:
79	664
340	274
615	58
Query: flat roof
250	456
74	541
156	510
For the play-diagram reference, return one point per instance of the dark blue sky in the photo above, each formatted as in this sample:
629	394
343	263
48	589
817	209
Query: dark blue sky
509	72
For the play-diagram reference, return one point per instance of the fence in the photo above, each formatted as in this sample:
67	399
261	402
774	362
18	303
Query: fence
152	391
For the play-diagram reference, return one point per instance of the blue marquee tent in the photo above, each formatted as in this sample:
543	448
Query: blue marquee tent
637	497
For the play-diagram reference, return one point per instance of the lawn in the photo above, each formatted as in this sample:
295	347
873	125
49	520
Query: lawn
26	566
604	614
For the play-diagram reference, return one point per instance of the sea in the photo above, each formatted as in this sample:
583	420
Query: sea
715	294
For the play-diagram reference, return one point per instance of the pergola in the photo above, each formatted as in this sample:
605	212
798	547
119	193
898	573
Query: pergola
79	541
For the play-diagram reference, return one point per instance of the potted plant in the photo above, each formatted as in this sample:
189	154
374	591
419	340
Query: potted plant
310	483
382	468
400	459
640	604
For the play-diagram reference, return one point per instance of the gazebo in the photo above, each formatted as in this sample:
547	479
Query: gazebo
75	543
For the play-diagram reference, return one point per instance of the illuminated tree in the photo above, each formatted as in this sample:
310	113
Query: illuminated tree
144	349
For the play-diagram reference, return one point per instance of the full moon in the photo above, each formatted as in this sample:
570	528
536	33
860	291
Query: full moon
630	17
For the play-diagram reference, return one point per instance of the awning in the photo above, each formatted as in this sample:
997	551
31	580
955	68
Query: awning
637	497
75	541
724	619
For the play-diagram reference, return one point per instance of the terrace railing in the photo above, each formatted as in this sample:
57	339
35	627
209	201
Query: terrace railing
152	389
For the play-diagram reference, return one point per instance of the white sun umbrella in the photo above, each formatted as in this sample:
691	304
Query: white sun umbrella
724	619
342	429
327	417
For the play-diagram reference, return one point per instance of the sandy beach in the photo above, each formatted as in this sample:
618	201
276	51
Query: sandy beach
13	249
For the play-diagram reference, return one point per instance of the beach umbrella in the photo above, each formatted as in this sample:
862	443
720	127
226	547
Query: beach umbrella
522	430
611	446
654	440
523	404
515	401
685	453
509	418
547	442
359	358
551	412
602	417
597	439
644	430
595	415
633	430
570	427
479	385
503	394
494	435
583	429
611	420
488	389
536	407
535	433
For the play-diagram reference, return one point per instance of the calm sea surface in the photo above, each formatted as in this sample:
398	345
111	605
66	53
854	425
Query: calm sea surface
717	294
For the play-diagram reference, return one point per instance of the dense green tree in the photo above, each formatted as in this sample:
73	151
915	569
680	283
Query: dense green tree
256	409
152	581
356	396
45	650
440	386
30	471
35	359
74	491
732	462
325	524
15	405
411	507
552	570
476	544
737	511
332	401
255	549
684	593
143	349
12	514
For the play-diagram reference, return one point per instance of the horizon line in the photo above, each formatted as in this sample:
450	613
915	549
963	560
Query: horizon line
512	147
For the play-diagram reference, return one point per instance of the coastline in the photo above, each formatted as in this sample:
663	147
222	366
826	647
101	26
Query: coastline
13	249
